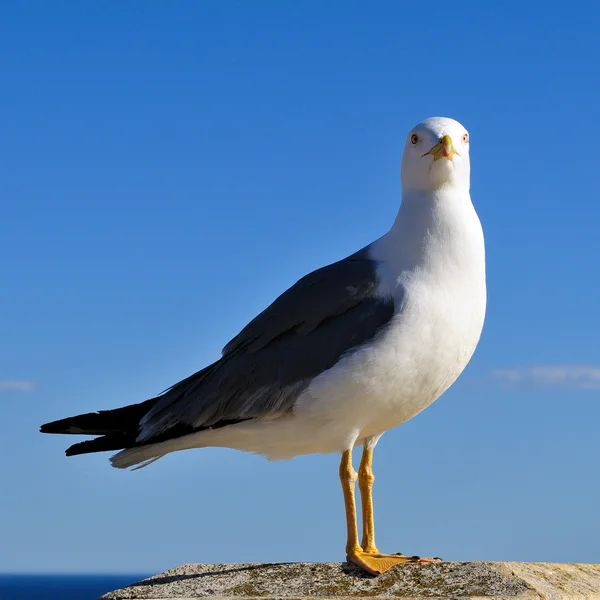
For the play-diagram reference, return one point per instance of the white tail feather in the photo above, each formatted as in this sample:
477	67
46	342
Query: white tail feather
145	455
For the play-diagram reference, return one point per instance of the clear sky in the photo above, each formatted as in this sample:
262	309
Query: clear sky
167	169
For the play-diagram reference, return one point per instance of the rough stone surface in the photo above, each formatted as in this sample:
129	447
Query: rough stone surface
437	581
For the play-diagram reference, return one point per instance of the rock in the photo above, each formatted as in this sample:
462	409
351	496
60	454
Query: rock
437	581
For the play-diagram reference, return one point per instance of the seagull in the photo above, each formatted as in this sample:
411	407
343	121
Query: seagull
348	352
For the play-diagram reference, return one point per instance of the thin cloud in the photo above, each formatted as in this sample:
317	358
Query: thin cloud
16	385
578	377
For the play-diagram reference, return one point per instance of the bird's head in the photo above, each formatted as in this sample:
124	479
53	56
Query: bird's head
436	155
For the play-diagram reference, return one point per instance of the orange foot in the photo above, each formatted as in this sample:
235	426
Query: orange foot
376	563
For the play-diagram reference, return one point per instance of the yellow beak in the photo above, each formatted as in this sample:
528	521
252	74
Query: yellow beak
443	149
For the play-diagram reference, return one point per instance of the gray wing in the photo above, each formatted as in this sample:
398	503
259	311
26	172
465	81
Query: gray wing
272	360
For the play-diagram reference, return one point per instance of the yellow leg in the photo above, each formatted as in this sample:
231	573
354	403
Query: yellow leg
366	556
348	479
365	485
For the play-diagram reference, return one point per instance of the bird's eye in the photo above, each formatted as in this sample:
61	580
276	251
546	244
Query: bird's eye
466	138
414	138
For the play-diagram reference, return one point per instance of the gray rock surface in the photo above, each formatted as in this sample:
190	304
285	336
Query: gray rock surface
437	581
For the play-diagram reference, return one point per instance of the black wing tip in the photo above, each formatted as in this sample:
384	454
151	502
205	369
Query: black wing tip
75	449
71	425
104	443
54	427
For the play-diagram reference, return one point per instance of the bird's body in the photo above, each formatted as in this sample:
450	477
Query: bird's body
439	308
347	353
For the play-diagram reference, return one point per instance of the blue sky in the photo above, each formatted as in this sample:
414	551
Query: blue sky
166	170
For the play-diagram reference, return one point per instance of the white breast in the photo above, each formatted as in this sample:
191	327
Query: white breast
439	292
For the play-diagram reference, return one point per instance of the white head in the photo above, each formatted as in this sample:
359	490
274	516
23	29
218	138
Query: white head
436	155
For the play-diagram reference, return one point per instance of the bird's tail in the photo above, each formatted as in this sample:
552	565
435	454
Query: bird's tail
117	428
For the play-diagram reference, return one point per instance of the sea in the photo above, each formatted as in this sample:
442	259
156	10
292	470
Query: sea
62	587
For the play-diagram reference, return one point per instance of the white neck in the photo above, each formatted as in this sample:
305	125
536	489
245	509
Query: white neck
432	231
